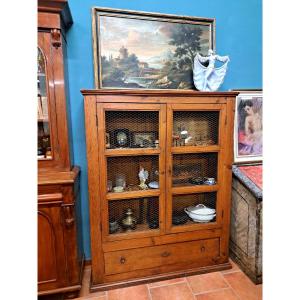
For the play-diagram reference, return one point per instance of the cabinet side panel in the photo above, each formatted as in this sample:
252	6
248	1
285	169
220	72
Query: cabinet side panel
60	102
227	175
93	186
69	123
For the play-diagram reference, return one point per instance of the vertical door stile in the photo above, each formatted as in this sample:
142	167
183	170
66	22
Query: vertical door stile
221	163
103	171
162	167
168	166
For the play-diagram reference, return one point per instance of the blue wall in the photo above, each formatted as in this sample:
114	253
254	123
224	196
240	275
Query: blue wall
238	34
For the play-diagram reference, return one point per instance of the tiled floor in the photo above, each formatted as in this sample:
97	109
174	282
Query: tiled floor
225	285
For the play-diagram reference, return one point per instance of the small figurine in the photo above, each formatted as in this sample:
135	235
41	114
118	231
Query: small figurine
209	78
143	176
184	135
176	139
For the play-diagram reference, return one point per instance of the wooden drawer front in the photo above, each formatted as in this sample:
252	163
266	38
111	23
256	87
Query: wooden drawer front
151	257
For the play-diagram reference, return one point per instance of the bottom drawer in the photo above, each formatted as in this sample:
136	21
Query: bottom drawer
151	257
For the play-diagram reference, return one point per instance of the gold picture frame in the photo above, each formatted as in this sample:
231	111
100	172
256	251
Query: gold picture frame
142	50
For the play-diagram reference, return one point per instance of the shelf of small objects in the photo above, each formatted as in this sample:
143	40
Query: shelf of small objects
195	181
135	192
131	151
194	214
130	222
116	227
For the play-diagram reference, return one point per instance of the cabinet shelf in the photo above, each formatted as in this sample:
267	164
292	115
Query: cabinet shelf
189	189
192	226
43	120
131	151
133	194
195	149
140	228
141	231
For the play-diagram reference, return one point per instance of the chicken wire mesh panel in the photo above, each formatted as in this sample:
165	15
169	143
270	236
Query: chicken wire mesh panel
131	129
195	128
182	206
132	173
133	215
194	169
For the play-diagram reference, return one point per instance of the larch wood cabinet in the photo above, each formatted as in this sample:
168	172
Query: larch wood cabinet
60	255
175	140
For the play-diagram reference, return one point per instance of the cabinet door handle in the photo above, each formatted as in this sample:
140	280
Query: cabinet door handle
122	260
202	249
165	254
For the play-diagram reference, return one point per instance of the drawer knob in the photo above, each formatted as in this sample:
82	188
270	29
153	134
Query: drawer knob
122	260
165	254
202	249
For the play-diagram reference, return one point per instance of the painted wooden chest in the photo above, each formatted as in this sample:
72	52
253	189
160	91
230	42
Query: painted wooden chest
246	224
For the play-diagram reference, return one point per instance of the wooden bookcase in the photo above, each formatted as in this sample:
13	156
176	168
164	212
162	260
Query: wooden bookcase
164	243
60	254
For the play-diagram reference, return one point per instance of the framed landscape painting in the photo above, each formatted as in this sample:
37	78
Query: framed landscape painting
138	50
248	129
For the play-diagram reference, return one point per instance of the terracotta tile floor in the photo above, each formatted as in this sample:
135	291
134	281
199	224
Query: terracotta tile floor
225	285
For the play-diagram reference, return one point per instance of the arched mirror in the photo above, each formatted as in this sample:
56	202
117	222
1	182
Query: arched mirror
44	138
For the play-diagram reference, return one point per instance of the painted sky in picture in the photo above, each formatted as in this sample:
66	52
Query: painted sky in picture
148	40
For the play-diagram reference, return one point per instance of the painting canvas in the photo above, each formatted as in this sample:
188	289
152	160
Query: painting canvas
148	51
248	128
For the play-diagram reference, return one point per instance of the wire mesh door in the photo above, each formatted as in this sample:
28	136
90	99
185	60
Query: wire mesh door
133	181
194	164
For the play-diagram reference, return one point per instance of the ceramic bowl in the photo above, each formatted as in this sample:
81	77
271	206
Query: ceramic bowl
200	213
153	185
209	181
200	218
118	189
200	209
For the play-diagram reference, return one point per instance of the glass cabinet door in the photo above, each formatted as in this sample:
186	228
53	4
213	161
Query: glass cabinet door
44	136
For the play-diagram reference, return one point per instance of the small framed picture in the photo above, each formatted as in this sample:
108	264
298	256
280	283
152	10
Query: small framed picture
121	138
248	143
144	139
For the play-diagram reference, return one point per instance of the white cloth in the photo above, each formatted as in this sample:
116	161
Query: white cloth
209	78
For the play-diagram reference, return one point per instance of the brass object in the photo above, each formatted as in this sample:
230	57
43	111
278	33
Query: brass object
129	221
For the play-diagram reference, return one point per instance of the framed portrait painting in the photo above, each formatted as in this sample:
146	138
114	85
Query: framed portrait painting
248	130
139	50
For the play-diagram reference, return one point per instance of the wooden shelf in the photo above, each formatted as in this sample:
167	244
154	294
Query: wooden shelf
43	120
144	227
141	231
180	190
131	151
45	158
195	149
192	226
133	194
